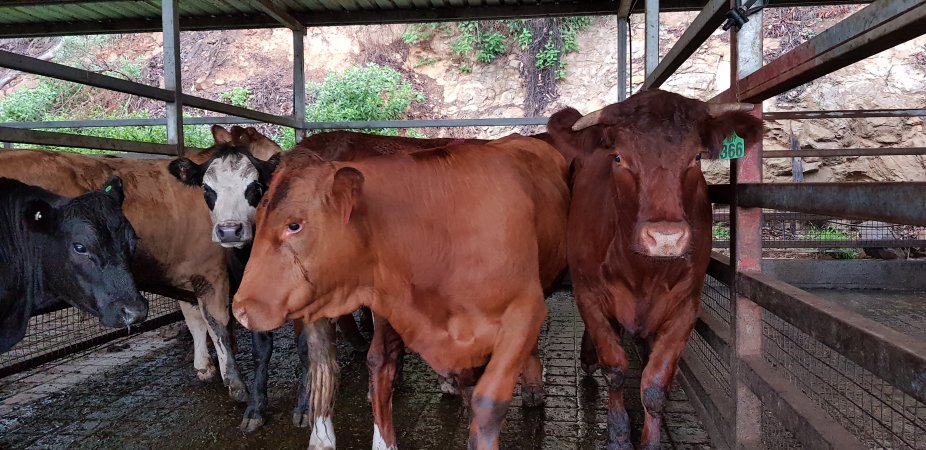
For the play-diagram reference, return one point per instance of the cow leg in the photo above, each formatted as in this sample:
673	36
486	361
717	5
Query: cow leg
588	356
495	387
349	330
667	347
386	350
614	363
202	362
532	379
321	382
301	417
213	302
262	350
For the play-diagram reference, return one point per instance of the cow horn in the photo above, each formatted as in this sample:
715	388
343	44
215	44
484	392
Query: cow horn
590	119
716	109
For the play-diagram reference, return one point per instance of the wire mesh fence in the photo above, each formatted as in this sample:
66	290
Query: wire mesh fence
65	331
878	414
828	236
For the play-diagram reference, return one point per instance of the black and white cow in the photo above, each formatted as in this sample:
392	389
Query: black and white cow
56	249
233	180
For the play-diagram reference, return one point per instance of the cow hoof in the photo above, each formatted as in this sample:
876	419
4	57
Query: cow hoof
238	393
532	396
301	419
252	424
207	374
590	369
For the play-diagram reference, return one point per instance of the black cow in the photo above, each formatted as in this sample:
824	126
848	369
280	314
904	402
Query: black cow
55	249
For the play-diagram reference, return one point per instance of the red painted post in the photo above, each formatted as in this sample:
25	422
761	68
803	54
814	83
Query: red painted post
746	251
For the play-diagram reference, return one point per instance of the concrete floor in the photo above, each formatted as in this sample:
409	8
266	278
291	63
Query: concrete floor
141	392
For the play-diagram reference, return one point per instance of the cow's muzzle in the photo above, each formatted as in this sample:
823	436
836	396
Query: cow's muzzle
664	239
125	313
231	233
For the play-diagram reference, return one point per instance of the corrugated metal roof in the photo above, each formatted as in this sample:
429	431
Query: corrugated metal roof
27	18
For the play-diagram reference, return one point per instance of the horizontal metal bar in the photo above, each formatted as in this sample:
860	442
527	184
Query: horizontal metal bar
877	27
843	114
837	152
108	123
720	193
900	203
36	66
715	406
429	123
719	268
810	425
214	106
848	243
696	34
715	333
51	138
773	216
898	358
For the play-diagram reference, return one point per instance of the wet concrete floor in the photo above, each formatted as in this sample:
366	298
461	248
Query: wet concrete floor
141	392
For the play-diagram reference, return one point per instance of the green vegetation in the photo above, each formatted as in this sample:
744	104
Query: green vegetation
426	61
238	96
484	41
832	234
370	92
720	232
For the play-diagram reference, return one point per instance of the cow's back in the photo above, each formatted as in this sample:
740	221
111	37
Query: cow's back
168	216
352	146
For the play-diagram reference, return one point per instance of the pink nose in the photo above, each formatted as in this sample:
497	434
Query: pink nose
665	239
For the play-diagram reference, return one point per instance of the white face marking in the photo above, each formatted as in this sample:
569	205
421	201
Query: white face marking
322	434
229	178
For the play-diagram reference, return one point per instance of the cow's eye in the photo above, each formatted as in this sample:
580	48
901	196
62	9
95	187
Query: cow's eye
79	248
294	227
617	158
698	157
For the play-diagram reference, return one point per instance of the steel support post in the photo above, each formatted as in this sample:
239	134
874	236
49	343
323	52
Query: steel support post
651	50
299	83
746	253
170	26
623	35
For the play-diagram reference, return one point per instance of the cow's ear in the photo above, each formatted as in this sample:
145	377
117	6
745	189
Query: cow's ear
715	129
266	168
13	324
221	135
114	189
40	216
186	171
238	135
346	190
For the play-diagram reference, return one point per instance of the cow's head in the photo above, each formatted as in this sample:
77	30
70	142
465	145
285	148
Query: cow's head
647	151
310	252
233	181
87	251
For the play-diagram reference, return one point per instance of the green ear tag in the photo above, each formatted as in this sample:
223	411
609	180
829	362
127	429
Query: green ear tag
108	188
733	147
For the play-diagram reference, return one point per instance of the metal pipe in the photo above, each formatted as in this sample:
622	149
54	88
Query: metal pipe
700	29
170	19
651	52
54	139
622	75
844	114
299	83
837	152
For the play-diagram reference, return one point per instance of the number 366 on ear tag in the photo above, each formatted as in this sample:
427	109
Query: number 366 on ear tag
733	147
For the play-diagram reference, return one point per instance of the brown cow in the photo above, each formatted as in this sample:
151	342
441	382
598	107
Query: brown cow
639	236
172	258
333	236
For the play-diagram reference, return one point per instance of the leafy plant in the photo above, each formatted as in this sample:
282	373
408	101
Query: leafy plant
370	92
426	61
238	96
720	232
832	234
548	57
491	45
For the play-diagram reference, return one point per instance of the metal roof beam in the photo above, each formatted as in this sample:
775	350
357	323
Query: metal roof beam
280	14
697	33
877	27
36	66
